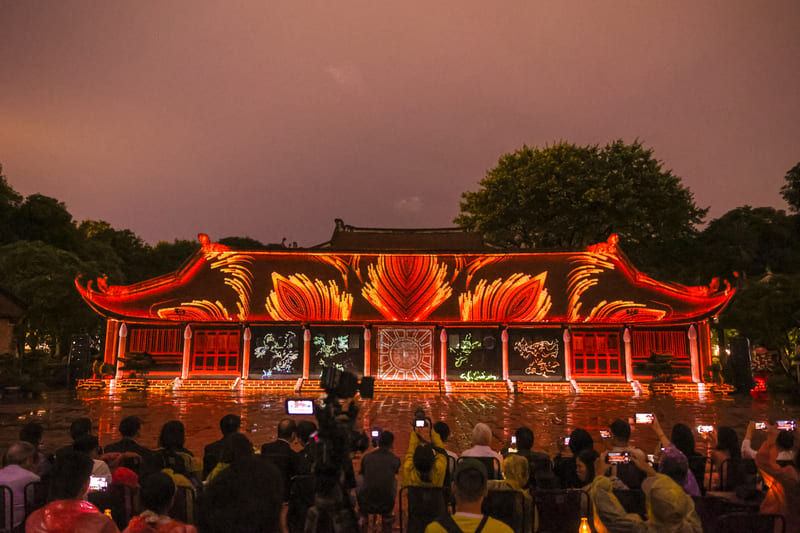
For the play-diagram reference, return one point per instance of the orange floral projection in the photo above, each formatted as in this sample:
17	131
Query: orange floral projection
407	287
197	310
519	298
298	298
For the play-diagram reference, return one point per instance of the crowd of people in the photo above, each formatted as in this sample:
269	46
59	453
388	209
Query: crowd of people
239	487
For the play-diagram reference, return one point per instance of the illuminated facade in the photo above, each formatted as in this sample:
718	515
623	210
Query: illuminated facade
418	305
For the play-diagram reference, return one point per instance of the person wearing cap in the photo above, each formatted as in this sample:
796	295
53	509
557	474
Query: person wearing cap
470	487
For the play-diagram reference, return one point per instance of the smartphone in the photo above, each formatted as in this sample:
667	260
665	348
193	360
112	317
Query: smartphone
606	434
618	458
375	433
566	441
760	426
644	418
299	407
651	458
786	425
705	429
513	439
98	483
419	423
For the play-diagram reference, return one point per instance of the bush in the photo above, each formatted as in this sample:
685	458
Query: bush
781	383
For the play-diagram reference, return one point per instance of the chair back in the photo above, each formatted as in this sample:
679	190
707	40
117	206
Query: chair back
633	501
698	465
36	496
491	463
738	473
751	523
121	500
424	504
7	502
183	506
505	505
561	510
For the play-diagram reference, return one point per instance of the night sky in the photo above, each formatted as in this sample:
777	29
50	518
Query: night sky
269	119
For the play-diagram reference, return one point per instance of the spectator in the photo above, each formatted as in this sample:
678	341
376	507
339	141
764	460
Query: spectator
157	495
539	463
377	488
281	454
481	438
783	496
228	425
620	442
565	467
515	478
726	448
469	489
244	499
89	445
236	449
422	466
17	473
683	439
174	456
305	457
80	427
130	429
670	508
784	443
608	513
443	430
42	463
674	462
70	512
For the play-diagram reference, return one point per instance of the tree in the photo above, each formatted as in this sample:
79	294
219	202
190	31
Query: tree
243	243
791	189
567	197
9	203
42	218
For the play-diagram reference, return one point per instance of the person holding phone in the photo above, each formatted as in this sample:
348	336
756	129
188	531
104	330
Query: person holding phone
423	466
783	496
620	442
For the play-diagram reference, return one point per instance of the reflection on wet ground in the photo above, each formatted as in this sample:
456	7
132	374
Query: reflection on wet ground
551	417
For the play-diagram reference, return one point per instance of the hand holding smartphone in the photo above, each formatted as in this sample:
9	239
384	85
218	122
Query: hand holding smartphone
644	418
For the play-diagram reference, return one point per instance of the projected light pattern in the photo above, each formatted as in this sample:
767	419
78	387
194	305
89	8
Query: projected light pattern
197	310
405	353
407	288
477	375
328	352
541	356
619	311
297	298
282	351
463	349
582	278
238	276
519	298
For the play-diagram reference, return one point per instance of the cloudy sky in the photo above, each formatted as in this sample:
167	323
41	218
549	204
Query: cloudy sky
270	118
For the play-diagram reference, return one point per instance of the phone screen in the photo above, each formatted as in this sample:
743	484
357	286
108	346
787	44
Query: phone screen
513	439
375	433
786	425
605	433
644	418
98	483
566	441
761	426
300	407
705	429
419	423
618	457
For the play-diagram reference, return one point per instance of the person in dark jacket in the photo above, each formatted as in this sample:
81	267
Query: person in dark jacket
228	425
130	428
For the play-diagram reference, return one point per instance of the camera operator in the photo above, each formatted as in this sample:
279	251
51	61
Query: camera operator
425	464
377	487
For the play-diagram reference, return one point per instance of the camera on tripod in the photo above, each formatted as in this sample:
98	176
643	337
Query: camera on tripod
345	385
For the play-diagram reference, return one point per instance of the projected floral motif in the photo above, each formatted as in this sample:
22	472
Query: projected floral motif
582	278
477	375
327	352
407	287
463	349
405	353
282	351
518	298
236	267
298	298
541	356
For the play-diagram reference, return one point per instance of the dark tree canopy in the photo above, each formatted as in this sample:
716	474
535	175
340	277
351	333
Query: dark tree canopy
791	189
567	197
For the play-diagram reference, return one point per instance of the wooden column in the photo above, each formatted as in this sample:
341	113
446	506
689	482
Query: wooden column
187	351
567	355
111	341
306	352
626	338
367	351
504	339
246	353
123	335
443	354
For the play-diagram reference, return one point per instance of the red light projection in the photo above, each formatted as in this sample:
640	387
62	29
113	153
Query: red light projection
405	353
196	311
297	298
519	298
408	287
619	311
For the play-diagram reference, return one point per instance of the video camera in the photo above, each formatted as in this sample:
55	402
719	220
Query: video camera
345	384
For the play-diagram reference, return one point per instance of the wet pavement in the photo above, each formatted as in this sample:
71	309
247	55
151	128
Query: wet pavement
550	417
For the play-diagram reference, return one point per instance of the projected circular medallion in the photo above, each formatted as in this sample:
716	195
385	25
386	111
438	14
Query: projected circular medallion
405	354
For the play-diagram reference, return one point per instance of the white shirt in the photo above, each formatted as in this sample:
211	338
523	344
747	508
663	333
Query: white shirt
482	451
15	477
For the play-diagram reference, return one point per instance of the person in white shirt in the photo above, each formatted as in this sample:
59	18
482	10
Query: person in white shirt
18	474
784	443
481	437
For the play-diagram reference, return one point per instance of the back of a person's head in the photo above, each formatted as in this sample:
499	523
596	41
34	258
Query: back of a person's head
588	456
80	427
785	440
516	470
241	501
31	432
469	480
386	440
86	444
442	429
674	464
230	424
156	492
424	457
286	428
524	438
683	439
130	426
481	434
19	452
727	440
172	436
620	430
580	439
305	428
236	448
69	475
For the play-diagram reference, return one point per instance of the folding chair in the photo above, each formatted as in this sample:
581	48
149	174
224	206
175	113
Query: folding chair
425	505
7	502
561	510
750	523
508	506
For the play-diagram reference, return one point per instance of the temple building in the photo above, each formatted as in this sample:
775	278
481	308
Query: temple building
423	309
